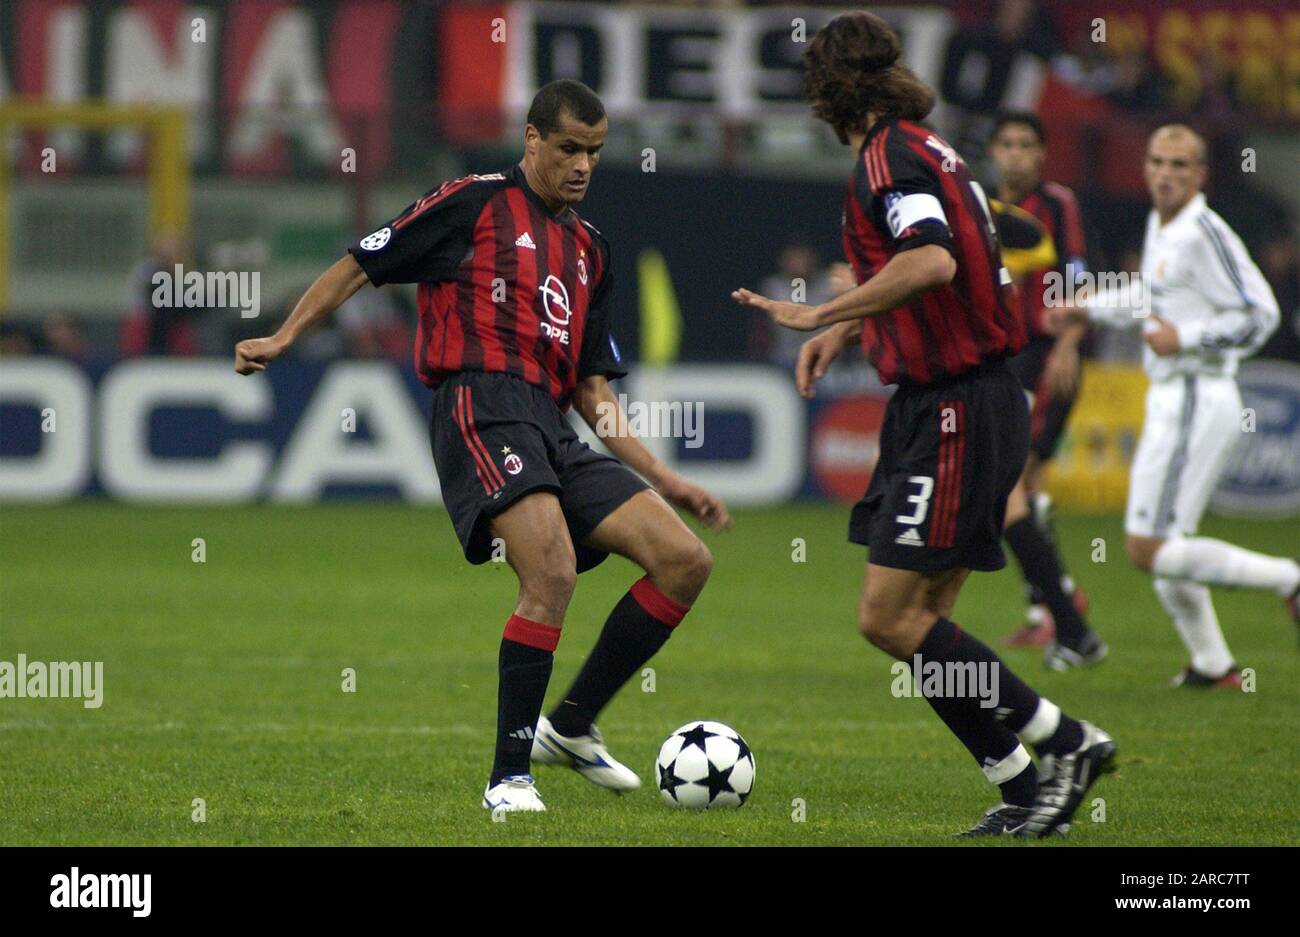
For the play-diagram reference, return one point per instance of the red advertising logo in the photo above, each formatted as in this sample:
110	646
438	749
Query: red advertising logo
845	446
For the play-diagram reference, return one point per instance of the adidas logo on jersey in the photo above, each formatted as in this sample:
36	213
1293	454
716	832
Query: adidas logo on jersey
910	538
525	240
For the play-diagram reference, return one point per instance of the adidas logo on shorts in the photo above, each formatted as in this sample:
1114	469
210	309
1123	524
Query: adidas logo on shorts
910	538
525	240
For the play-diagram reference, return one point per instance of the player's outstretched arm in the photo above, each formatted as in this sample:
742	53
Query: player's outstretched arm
331	289
905	275
596	404
1120	306
798	316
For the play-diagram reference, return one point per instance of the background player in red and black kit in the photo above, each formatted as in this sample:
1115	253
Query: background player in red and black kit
1048	369
933	317
515	306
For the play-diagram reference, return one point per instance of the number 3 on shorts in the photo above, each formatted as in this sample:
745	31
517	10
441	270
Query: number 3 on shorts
921	499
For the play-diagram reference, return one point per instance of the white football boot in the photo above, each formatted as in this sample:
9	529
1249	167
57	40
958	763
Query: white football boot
514	793
586	754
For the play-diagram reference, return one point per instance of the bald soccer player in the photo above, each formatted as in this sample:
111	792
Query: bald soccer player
1210	307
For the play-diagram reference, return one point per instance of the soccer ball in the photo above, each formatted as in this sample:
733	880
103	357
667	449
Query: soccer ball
705	764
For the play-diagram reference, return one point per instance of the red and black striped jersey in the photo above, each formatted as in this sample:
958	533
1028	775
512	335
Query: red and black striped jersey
1056	207
504	284
910	188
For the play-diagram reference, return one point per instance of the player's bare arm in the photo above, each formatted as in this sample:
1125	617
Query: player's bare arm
905	276
1057	318
1159	334
331	289
595	400
1061	371
819	352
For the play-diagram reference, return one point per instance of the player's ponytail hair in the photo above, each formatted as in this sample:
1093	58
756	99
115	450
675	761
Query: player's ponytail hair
851	69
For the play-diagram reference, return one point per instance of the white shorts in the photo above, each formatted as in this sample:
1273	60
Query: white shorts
1191	425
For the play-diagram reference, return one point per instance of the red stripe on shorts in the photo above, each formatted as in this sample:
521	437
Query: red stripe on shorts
458	415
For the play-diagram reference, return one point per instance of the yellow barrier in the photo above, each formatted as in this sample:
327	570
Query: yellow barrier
661	320
168	165
1091	469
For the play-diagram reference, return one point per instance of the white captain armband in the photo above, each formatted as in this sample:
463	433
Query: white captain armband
903	211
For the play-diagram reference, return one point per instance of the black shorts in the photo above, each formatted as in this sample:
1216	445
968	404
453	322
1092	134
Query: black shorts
497	438
1050	414
950	453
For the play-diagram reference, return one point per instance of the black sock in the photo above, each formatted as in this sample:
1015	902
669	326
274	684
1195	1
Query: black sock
975	725
524	671
631	636
1022	790
1016	700
1041	568
1065	738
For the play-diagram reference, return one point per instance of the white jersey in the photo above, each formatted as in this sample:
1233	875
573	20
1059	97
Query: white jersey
1204	283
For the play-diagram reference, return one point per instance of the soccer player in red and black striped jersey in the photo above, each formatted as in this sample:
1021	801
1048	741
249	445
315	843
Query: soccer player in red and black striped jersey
515	306
1048	369
934	315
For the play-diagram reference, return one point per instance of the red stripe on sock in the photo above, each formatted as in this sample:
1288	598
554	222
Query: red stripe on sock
533	633
657	605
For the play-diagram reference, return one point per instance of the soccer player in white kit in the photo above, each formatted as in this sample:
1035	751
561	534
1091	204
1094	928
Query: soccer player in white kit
1209	308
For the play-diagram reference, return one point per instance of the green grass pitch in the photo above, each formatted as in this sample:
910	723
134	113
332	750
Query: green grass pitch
223	682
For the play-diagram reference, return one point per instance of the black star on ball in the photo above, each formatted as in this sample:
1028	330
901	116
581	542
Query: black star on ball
668	779
696	737
744	749
718	781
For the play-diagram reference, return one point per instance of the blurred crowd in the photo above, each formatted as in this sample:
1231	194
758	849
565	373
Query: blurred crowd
985	60
378	323
1122	72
